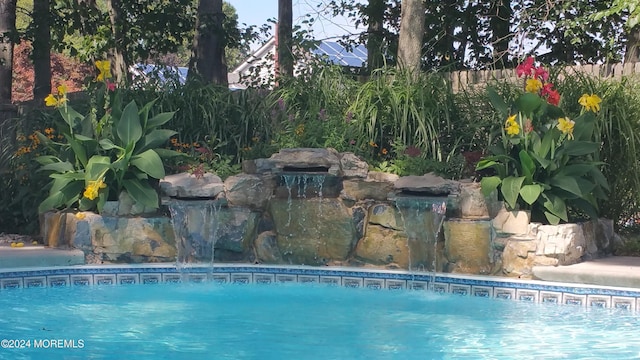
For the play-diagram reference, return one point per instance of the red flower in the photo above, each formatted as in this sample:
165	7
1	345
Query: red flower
525	68
546	89
553	97
111	86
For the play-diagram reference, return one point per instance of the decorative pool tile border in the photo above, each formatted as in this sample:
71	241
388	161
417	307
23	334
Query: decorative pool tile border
464	285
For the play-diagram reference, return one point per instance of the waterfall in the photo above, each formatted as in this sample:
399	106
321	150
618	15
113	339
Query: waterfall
195	224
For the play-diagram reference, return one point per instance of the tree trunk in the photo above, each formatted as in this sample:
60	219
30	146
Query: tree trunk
41	50
411	33
208	60
632	53
500	21
284	35
375	34
120	62
7	30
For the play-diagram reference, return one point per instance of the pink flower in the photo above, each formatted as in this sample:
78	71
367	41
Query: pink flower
541	73
553	97
111	86
525	68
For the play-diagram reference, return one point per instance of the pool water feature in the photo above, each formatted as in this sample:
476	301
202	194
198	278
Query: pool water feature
296	321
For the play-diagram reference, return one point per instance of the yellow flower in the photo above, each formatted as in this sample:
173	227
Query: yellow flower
566	126
511	126
51	100
590	102
533	85
62	90
91	192
104	67
300	130
49	131
80	216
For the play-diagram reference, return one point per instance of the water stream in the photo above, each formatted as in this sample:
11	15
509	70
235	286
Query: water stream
195	224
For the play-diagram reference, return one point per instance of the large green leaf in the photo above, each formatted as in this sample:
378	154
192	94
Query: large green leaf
97	167
144	112
498	102
129	128
66	195
154	139
78	150
107	144
527	164
159	119
167	153
530	193
150	163
60	166
489	184
528	103
555	205
570	184
579	148
510	188
141	193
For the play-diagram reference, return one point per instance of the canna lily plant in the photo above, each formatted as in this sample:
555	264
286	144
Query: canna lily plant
100	158
545	162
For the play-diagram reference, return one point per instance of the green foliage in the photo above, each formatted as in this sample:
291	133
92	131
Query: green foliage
99	159
546	161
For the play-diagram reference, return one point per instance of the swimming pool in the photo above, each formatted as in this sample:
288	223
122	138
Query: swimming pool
220	319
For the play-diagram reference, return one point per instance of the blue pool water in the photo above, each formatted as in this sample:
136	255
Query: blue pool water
211	321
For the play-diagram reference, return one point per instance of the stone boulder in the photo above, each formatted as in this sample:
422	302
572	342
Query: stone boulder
185	185
428	184
299	159
312	231
252	191
376	186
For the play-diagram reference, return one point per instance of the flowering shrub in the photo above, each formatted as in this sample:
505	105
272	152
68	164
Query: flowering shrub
545	162
97	159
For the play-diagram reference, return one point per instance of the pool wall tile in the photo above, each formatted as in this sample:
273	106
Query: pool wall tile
527	295
127	279
241	278
504	293
58	280
619	302
35	281
374	284
466	285
391	284
104	279
599	301
264	278
352	282
308	279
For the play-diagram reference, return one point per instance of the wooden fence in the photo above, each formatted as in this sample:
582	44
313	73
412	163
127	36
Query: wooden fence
462	80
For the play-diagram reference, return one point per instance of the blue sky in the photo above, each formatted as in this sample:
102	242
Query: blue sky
257	12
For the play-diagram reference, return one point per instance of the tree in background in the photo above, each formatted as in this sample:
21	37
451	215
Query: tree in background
7	41
411	32
207	60
632	25
284	67
41	50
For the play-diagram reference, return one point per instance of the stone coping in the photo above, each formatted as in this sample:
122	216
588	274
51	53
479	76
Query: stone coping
534	291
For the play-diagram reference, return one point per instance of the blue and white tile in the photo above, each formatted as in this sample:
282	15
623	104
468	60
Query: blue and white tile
58	280
330	280
264	278
309	279
150	278
573	299
374	284
551	297
81	279
241	278
622	302
599	301
286	278
221	278
352	282
127	279
439	287
418	285
482	291
527	295
171	278
35	281
12	283
393	284
504	293
197	277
